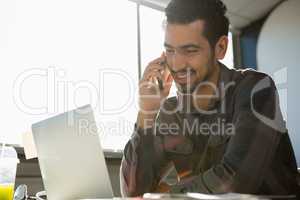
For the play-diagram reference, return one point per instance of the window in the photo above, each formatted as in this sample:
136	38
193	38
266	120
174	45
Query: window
57	55
152	34
152	30
228	59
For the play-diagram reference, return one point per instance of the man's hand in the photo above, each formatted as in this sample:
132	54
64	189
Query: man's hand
150	94
163	188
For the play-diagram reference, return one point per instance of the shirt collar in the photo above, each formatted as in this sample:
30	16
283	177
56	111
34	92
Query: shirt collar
184	100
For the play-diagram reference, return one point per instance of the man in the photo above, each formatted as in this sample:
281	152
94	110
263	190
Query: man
223	132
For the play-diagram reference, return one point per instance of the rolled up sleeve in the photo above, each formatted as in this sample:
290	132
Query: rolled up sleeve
143	157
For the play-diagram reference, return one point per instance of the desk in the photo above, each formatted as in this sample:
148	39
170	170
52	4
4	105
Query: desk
199	196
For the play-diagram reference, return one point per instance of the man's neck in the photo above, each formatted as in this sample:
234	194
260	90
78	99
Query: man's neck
205	96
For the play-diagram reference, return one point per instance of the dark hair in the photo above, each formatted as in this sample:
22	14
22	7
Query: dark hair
211	11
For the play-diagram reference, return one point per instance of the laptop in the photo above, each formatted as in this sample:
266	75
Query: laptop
70	156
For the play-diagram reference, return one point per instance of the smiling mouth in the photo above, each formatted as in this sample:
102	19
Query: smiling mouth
183	76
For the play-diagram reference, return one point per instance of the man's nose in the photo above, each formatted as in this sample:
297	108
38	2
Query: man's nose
178	62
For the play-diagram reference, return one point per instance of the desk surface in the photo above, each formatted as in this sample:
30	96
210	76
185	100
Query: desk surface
199	196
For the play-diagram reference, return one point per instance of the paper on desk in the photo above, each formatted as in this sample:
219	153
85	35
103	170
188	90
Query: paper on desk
200	196
29	146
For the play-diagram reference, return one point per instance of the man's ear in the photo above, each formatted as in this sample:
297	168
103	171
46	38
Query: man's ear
221	47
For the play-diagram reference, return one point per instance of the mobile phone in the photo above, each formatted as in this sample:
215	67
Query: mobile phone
160	82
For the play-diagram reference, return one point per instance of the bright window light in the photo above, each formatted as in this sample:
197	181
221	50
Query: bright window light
60	54
229	59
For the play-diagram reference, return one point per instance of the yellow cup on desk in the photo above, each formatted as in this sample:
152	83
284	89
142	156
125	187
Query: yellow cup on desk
6	191
8	168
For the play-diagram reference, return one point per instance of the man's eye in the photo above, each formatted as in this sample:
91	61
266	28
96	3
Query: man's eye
169	50
192	51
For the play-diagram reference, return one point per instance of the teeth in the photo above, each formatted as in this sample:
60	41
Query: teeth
182	75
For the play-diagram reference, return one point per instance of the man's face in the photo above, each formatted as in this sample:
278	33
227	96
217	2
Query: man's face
189	55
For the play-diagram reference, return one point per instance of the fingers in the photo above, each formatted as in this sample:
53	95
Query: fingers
155	66
151	81
161	59
155	74
149	86
168	84
169	79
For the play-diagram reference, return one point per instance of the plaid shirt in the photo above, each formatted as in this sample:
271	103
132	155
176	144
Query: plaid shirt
243	146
